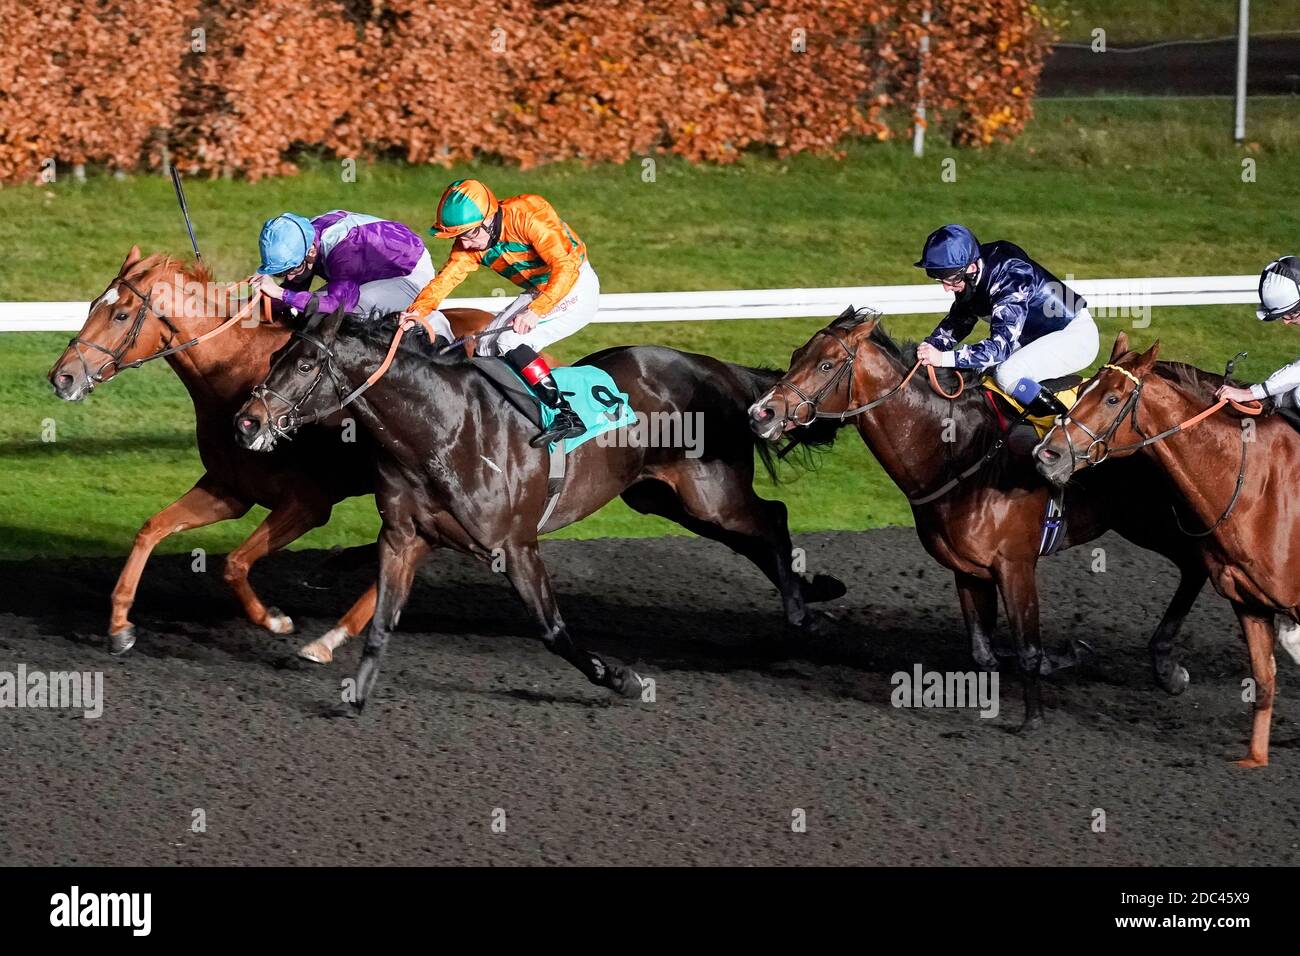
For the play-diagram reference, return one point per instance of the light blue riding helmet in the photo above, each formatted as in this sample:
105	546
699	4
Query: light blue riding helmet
284	242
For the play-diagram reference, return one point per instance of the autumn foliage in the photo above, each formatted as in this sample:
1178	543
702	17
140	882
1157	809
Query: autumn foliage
240	87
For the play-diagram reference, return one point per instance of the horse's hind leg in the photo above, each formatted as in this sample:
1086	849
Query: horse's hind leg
532	583
204	504
979	606
726	509
1170	674
287	522
1258	631
400	554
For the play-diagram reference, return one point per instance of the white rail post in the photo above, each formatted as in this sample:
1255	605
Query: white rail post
1243	43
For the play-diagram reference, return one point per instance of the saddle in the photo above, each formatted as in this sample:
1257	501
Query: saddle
1027	432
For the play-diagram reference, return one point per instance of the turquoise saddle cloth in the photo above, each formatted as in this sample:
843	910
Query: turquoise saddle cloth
593	394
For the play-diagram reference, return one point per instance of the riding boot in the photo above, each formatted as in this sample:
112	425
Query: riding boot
534	370
1290	414
1037	401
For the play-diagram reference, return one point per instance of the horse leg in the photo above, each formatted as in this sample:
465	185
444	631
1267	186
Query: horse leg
532	583
1019	588
1170	674
400	554
979	606
204	504
350	624
286	523
1258	631
737	517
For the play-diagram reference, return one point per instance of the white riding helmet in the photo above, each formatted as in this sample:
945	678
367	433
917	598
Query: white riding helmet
1279	289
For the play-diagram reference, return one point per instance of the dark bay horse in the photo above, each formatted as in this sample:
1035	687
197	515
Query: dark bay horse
456	469
1233	478
985	528
158	303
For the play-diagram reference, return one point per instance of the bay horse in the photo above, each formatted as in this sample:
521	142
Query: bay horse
456	469
985	527
151	310
1232	476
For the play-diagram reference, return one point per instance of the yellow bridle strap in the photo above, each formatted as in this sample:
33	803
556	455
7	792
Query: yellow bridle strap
1125	372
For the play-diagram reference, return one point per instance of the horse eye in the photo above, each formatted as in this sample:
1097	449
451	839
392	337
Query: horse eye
304	367
120	317
826	366
1112	399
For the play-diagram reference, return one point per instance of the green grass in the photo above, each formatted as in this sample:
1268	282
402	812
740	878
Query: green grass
1135	188
1132	21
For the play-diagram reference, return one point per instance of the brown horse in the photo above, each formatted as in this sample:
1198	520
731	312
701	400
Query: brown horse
986	527
1233	475
151	307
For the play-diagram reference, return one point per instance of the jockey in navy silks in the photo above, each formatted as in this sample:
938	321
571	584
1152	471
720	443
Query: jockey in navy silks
1038	328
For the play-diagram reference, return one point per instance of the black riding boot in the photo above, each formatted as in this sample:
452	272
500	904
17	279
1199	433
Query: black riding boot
537	374
1045	404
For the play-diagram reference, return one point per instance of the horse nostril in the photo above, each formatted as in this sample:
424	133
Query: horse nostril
764	413
63	379
1048	455
247	424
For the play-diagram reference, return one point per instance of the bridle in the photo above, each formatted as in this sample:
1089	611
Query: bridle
133	333
283	425
846	368
1099	447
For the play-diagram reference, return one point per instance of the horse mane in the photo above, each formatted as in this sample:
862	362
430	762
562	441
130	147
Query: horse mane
378	334
904	356
1200	383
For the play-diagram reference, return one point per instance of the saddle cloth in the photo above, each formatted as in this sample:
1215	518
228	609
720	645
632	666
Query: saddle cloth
591	391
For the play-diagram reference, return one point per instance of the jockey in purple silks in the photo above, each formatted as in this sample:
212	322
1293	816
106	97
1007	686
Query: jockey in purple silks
371	267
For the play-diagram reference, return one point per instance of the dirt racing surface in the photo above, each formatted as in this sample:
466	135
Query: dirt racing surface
475	723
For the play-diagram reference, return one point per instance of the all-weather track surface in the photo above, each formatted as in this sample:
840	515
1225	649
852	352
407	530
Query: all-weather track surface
473	718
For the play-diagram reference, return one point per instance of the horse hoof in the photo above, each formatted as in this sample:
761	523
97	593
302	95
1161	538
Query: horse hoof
122	641
823	587
1029	727
316	652
1176	682
342	711
321	650
277	622
986	661
1251	763
627	683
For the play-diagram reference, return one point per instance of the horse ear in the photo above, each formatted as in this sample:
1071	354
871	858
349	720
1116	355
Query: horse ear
131	259
1147	359
329	327
1120	348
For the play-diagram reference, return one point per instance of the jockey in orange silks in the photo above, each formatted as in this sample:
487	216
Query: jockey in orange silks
525	240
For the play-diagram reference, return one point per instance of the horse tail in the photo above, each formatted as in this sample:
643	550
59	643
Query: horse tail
804	441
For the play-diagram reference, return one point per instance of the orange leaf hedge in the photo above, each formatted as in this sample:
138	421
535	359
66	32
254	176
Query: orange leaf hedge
239	86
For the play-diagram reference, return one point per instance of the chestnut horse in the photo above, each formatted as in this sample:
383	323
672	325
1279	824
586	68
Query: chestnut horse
151	307
1233	477
985	527
456	469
